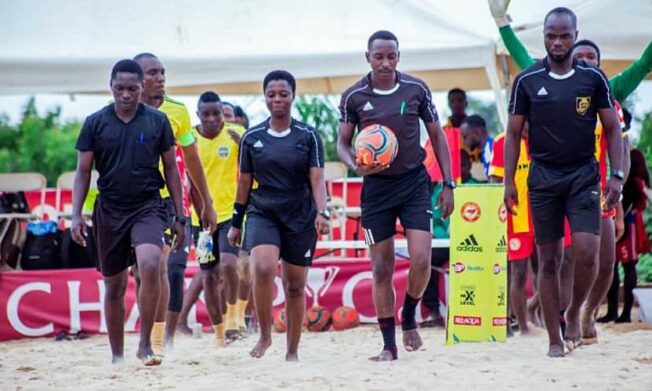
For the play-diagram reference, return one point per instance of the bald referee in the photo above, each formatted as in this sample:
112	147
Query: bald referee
562	98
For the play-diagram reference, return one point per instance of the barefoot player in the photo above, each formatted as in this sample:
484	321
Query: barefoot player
562	99
287	210
173	265
125	141
398	101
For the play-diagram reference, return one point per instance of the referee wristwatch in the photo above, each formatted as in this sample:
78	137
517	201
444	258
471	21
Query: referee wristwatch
450	183
619	174
325	213
181	219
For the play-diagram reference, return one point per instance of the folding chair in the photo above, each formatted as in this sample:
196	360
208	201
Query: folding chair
337	205
24	181
65	182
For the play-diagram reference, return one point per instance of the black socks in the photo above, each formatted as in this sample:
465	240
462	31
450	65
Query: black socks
388	328
409	313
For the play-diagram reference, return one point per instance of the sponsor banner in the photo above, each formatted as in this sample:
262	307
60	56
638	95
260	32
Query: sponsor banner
478	267
42	303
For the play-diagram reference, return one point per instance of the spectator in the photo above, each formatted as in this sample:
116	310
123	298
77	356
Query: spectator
479	146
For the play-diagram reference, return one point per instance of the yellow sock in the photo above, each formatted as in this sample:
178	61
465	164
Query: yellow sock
156	338
219	335
242	308
231	317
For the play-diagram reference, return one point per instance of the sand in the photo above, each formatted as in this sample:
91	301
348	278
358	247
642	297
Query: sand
336	361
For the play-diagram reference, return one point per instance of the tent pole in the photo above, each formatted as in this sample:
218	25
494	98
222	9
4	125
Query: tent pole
494	82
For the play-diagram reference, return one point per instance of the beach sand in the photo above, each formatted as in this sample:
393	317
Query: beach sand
336	361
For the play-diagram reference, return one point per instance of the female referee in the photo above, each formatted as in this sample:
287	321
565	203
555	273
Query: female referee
285	212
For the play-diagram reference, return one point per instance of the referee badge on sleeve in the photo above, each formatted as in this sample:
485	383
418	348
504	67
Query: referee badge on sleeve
582	104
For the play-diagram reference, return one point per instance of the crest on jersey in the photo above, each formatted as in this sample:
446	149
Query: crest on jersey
582	104
223	152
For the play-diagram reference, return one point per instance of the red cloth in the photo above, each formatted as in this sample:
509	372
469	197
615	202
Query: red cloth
454	139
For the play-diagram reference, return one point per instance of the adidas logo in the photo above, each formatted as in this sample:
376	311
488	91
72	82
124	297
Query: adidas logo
368	106
258	144
501	247
470	244
542	92
307	254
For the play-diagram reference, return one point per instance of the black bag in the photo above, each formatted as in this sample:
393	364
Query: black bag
41	250
74	256
12	238
13	203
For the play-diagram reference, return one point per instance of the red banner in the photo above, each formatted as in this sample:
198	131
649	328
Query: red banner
42	303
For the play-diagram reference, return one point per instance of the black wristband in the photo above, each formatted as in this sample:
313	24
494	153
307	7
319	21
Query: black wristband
238	215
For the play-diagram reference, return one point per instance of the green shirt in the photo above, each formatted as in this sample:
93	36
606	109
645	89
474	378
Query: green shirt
622	85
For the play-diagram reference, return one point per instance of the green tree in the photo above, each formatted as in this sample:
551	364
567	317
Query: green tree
487	110
645	145
319	112
38	143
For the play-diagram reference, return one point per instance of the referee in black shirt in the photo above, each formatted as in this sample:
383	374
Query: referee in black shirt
125	140
287	210
397	191
561	98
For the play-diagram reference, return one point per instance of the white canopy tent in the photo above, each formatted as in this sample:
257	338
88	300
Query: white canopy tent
622	29
69	46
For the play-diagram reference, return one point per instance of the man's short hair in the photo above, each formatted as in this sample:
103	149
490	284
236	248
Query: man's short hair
564	11
239	112
280	75
588	42
209	97
231	105
457	91
475	121
127	66
140	56
381	34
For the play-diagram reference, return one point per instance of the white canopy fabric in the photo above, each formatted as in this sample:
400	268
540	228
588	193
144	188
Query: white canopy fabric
622	29
70	45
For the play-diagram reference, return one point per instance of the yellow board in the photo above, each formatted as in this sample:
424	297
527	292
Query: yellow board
477	299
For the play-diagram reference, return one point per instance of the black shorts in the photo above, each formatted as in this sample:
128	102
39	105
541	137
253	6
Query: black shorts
221	245
555	193
386	198
117	230
285	221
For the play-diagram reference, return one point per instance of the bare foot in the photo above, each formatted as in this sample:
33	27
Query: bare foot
147	356
292	357
183	328
411	340
589	333
556	351
117	360
573	332
572	344
385	355
533	311
261	347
